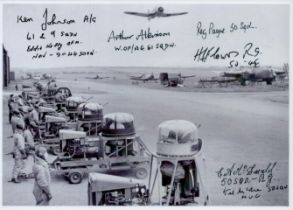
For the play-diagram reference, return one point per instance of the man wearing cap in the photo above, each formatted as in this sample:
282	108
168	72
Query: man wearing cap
29	109
52	87
34	115
10	107
59	97
16	119
29	139
34	120
41	173
19	153
19	101
25	112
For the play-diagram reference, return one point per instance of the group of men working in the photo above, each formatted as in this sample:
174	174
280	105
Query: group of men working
24	119
49	90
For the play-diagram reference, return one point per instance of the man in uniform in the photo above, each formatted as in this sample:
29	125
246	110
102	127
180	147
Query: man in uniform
29	139
10	106
52	87
34	121
19	153
16	119
59	97
41	173
24	110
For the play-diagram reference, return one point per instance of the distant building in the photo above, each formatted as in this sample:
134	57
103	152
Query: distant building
6	68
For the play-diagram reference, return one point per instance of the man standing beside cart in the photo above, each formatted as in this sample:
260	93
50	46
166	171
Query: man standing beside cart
19	153
34	121
42	191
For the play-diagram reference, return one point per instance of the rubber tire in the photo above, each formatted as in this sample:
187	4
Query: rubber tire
103	166
269	82
55	150
243	82
75	177
141	172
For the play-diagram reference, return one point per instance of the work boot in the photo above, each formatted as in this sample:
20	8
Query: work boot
30	176
21	176
15	180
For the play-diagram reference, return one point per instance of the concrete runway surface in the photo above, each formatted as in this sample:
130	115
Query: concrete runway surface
241	128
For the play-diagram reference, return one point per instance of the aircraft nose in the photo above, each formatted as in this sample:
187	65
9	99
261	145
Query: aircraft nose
161	9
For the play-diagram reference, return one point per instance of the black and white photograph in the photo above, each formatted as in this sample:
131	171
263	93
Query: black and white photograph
162	103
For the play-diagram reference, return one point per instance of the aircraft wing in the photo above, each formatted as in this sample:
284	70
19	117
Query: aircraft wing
173	14
184	77
97	77
103	77
137	77
280	72
230	74
149	79
92	78
140	14
145	79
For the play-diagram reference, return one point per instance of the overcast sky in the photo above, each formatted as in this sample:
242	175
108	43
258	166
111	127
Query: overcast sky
271	34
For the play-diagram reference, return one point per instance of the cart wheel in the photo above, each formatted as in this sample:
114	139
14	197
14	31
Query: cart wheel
103	165
56	150
141	172
75	177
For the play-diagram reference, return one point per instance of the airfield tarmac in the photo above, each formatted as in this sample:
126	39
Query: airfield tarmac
237	127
